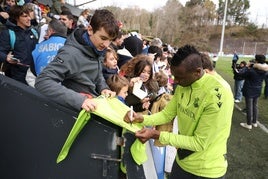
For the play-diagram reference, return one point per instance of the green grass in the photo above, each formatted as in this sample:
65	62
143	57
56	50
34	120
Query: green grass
223	67
247	150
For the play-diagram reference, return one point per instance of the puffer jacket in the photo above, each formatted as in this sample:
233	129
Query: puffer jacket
253	82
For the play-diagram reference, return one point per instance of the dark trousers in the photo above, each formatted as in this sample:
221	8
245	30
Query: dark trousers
252	110
266	86
17	72
178	173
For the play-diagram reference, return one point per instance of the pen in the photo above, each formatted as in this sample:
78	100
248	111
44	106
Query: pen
131	114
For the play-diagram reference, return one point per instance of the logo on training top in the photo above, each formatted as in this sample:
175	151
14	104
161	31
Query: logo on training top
196	100
186	111
218	95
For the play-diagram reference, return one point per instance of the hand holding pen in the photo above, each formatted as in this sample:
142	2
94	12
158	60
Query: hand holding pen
132	117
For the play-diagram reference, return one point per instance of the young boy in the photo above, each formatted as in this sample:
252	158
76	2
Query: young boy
18	54
77	67
110	64
119	84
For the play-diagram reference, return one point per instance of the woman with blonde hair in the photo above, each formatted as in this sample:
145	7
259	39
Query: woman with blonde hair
82	19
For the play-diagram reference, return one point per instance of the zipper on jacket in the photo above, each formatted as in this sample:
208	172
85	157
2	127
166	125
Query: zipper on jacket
190	95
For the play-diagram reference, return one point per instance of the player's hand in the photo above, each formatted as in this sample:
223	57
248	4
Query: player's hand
136	117
147	133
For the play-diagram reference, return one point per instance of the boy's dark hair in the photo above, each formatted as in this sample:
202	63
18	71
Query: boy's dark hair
260	58
157	50
117	82
187	52
119	35
104	18
206	62
244	63
16	11
68	14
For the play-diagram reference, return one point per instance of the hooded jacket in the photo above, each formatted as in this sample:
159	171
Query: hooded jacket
253	82
77	68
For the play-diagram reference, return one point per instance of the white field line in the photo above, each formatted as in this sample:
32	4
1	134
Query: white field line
259	124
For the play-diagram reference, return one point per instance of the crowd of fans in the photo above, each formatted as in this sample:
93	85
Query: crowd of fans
135	68
124	47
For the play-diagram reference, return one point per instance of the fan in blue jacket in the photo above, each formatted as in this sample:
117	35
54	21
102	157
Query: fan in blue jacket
45	51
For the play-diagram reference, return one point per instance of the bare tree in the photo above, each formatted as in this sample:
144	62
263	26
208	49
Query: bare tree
179	25
170	25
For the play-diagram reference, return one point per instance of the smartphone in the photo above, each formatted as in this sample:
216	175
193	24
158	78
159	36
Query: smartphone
15	59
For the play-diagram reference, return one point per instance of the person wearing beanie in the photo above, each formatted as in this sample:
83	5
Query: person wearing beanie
252	90
133	44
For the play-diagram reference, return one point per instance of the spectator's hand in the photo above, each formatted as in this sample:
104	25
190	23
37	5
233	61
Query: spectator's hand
9	58
134	80
169	87
5	15
136	118
147	133
145	103
236	70
89	105
108	93
146	99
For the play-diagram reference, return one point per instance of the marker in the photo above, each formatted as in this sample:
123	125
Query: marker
131	114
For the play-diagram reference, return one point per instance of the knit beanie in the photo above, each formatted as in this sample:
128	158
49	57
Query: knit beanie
134	45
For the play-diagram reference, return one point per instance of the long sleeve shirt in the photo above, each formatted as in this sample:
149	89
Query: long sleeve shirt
204	111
